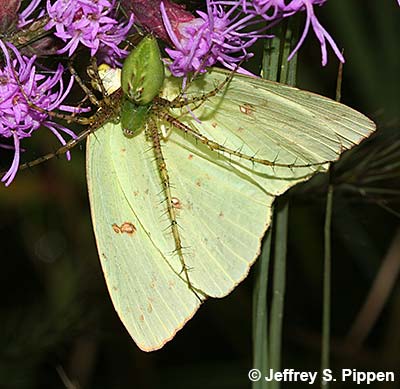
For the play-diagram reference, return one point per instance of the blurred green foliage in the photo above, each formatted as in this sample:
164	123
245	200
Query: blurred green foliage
56	318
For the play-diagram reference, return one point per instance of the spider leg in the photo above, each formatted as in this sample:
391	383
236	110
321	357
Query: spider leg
89	93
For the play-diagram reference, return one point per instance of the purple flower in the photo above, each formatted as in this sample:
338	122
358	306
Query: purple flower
18	120
275	10
27	12
215	36
89	23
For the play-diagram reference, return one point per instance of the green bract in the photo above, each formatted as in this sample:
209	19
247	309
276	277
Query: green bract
143	72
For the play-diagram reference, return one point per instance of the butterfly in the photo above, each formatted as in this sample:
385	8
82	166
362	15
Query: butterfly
181	189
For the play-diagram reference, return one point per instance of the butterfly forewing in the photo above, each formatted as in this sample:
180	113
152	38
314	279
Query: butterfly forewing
274	122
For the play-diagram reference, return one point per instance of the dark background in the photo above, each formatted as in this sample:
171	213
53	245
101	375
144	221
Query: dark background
56	316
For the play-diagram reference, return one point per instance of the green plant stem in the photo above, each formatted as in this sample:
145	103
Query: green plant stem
267	353
278	294
326	307
260	313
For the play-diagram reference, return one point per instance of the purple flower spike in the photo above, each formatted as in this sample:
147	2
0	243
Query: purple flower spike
212	37
17	119
89	23
27	12
320	32
275	10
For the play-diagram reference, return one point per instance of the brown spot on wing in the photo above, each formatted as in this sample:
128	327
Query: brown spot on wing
247	109
116	229
126	227
176	203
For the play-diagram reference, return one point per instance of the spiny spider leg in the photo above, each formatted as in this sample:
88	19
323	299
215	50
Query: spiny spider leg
108	110
162	168
102	116
31	104
57	115
89	93
62	150
202	66
181	100
214	146
94	74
